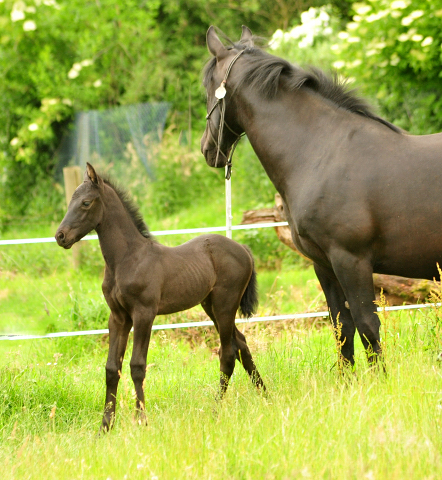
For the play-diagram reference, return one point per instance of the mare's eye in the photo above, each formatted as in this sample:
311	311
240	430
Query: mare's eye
86	204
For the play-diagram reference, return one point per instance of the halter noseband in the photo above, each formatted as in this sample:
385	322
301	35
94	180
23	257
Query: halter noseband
220	94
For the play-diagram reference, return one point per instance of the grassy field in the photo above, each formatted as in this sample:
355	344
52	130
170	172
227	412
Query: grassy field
314	423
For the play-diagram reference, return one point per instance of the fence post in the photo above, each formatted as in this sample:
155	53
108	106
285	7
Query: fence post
72	179
228	190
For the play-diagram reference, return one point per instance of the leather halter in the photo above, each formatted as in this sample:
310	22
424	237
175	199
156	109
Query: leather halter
220	94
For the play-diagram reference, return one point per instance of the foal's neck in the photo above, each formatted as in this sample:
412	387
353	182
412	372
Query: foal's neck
117	232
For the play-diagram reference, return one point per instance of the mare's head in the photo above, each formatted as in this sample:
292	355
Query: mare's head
84	212
222	129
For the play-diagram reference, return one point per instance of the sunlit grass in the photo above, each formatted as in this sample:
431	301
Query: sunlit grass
313	424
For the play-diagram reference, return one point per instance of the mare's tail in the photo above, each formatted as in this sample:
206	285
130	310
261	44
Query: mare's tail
249	300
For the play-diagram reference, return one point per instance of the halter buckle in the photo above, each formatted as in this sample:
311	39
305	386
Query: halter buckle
220	92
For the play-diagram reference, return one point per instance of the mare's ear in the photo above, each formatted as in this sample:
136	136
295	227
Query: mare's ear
214	44
91	174
247	36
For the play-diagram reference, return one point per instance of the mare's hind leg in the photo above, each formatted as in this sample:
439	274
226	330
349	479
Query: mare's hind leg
119	329
335	297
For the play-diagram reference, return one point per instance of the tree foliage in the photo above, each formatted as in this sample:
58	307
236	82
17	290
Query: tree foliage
393	49
59	57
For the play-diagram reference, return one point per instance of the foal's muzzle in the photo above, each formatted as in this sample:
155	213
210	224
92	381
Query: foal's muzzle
63	240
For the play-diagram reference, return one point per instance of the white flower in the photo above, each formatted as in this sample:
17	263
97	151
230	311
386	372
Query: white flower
417	37
339	64
353	39
75	70
416	14
427	41
51	3
406	21
73	73
399	4
33	127
352	26
377	16
363	9
394	59
276	40
17	15
97	83
86	63
343	35
29	25
403	37
14	141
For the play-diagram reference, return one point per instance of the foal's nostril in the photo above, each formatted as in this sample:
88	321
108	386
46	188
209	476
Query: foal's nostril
59	236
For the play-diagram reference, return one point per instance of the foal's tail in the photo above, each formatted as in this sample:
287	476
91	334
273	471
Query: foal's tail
249	300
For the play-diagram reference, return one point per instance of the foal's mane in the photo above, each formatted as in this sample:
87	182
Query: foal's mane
131	208
262	71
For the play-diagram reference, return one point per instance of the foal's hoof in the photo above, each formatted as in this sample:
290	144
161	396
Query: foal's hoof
141	419
103	430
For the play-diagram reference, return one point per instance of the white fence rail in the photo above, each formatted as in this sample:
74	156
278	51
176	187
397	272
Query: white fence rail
185	324
169	326
159	233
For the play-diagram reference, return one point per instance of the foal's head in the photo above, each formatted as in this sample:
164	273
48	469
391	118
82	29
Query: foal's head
85	210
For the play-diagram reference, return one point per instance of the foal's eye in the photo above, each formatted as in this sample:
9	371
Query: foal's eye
86	204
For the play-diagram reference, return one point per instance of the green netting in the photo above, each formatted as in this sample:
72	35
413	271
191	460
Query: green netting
115	139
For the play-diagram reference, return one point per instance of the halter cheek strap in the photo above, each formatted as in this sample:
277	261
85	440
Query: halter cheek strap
220	94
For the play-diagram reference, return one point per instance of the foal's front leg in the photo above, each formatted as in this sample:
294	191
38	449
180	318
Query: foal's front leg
119	328
143	321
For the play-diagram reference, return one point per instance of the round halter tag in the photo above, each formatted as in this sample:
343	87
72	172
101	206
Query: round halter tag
220	92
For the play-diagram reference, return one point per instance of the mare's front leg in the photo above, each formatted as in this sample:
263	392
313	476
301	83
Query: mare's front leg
119	328
143	320
341	318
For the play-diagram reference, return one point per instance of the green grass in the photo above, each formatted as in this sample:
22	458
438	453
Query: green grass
313	424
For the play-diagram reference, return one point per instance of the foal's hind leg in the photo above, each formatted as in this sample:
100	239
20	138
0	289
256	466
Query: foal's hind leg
233	347
224	320
244	356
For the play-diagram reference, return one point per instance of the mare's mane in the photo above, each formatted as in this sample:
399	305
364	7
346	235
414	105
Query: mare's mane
262	71
130	208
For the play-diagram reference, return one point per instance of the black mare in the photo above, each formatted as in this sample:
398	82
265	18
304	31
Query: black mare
144	278
361	196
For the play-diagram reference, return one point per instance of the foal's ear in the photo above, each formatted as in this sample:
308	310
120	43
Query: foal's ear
91	174
214	44
246	36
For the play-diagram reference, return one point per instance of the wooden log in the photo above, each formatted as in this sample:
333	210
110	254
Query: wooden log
397	290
